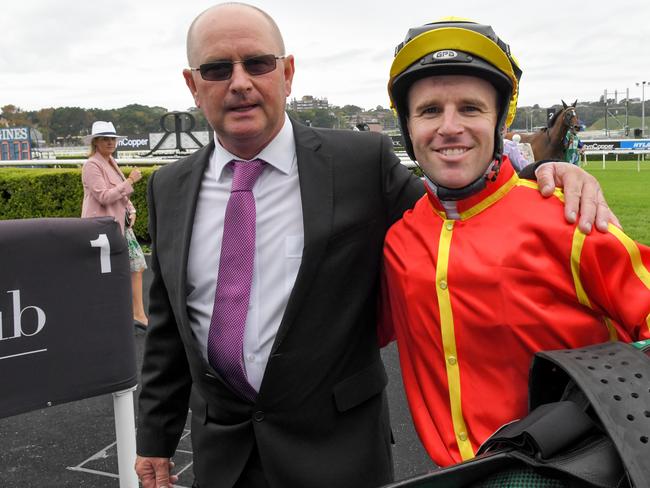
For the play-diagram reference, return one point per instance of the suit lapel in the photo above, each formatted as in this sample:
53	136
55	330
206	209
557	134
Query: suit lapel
187	193
315	174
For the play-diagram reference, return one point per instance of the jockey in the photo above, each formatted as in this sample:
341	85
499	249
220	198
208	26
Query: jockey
473	285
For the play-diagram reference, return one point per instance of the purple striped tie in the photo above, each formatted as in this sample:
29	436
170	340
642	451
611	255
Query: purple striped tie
232	297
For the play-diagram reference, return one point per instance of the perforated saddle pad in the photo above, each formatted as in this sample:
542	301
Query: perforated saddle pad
589	427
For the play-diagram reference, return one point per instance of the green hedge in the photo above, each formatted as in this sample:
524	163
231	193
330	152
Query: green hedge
34	193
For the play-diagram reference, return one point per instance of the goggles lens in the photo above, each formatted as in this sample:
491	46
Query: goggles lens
222	70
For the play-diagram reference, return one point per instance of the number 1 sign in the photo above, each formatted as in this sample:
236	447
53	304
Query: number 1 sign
65	312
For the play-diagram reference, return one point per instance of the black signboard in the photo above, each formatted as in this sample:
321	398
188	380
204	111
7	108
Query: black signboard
66	327
550	113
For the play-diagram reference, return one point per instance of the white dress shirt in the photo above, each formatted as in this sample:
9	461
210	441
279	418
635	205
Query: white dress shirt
278	247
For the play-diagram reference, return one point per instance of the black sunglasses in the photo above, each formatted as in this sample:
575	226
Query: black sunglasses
222	70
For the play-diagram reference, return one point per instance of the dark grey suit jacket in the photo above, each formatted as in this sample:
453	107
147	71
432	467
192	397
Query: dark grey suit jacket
321	416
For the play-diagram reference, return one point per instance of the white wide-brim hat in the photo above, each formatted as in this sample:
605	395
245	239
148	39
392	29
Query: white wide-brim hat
102	129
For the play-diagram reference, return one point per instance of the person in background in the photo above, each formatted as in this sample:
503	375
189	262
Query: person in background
106	193
483	273
266	251
573	148
512	150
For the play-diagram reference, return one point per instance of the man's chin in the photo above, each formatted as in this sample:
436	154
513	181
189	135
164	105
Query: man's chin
238	121
244	130
453	182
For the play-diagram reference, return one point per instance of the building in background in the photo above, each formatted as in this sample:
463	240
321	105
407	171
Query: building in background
309	103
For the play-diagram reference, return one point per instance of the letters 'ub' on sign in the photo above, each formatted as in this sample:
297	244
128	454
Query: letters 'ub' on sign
66	330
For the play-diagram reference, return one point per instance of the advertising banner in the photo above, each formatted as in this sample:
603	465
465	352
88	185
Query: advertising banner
133	143
617	145
636	145
15	144
66	327
595	145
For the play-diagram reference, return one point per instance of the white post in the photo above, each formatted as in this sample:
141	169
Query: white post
125	436
643	108
603	160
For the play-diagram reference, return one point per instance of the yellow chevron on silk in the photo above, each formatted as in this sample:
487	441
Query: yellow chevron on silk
492	199
533	184
576	250
635	255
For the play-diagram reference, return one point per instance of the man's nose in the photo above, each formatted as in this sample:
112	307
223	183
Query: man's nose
240	79
450	122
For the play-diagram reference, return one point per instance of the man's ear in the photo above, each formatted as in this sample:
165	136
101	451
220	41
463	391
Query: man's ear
289	70
189	81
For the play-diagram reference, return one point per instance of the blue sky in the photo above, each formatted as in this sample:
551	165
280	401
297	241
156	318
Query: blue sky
110	54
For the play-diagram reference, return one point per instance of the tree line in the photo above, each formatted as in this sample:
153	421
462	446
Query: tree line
65	125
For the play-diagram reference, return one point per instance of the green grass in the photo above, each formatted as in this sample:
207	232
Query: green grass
628	193
633	122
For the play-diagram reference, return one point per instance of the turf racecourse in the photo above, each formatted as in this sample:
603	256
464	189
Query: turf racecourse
628	193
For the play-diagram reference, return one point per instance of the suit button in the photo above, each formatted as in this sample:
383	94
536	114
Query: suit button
258	416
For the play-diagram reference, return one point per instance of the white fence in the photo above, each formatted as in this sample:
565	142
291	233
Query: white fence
58	163
134	160
640	156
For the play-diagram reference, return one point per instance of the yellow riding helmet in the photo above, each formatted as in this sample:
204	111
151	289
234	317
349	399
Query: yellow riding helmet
454	46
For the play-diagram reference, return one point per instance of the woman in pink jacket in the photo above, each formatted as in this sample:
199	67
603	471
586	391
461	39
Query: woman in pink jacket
106	193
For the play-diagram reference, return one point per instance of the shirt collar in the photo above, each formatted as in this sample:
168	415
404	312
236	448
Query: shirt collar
279	153
475	204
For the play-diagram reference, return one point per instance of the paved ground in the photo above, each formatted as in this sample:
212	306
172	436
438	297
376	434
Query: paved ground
73	445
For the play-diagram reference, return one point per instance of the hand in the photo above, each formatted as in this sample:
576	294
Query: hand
135	175
581	192
154	472
132	219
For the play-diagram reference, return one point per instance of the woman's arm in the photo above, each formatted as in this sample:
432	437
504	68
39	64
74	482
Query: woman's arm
97	183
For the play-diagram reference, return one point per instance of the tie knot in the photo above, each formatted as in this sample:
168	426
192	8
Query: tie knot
245	174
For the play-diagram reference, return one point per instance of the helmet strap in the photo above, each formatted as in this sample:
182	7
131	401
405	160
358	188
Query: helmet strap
453	194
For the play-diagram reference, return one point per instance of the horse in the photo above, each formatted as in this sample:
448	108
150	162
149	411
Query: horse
549	142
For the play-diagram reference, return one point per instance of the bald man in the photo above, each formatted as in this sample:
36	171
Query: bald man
302	403
324	200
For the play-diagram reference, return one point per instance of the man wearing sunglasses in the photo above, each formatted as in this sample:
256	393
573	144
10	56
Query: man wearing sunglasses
266	253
